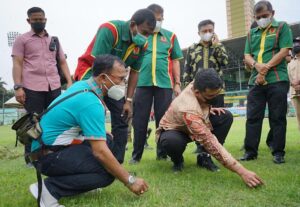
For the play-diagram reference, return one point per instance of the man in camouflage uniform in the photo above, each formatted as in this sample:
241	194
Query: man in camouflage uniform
208	53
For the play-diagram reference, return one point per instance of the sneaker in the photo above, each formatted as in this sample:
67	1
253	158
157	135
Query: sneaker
204	160
177	167
278	159
47	200
133	162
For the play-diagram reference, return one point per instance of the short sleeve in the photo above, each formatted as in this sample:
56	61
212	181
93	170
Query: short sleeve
104	41
136	66
247	46
176	52
285	37
18	47
92	121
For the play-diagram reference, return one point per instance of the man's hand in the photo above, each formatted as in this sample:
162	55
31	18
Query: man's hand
177	90
127	110
262	68
215	39
218	111
250	178
69	84
20	96
139	187
260	79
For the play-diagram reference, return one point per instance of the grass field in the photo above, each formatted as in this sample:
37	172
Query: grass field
194	187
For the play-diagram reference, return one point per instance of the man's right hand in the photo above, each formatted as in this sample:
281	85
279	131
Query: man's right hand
250	178
262	68
139	187
20	96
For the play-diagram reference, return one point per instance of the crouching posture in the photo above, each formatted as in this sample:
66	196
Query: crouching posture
191	118
77	153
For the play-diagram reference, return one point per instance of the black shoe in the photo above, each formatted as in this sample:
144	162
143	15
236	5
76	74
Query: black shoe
177	167
278	159
204	160
133	162
248	157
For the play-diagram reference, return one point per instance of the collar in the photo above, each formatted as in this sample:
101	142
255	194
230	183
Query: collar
94	86
32	33
274	23
126	34
162	32
200	43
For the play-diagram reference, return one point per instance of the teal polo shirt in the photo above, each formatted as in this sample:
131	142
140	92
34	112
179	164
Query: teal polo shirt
79	118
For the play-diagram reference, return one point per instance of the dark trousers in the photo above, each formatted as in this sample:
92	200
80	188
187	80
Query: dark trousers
275	95
219	104
174	142
119	127
74	170
38	101
141	112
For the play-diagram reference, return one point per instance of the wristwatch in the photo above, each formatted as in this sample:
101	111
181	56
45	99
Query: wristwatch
129	99
131	180
178	83
17	86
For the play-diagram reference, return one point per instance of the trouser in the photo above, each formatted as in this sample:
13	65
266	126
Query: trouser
219	104
174	142
296	104
119	127
141	111
275	95
38	101
74	170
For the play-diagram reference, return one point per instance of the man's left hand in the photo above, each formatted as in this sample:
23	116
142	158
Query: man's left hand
177	90
127	110
218	111
215	39
69	84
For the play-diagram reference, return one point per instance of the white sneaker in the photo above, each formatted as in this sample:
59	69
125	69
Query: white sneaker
47	200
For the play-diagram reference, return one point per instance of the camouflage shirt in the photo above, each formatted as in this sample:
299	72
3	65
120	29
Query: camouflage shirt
200	56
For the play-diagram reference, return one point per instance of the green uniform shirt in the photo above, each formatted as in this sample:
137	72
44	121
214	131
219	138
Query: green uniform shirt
263	47
112	38
156	69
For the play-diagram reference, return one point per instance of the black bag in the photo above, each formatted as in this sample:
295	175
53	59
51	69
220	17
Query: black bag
54	46
28	128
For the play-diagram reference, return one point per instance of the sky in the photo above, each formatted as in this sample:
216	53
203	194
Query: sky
75	22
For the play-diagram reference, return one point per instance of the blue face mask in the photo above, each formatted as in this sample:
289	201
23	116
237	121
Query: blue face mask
139	39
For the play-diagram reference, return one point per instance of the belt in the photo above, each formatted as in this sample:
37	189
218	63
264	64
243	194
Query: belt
35	156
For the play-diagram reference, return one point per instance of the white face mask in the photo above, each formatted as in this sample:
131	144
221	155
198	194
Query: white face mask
158	26
206	37
116	92
264	22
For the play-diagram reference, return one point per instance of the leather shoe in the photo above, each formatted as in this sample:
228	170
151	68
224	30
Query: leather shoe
278	159
248	157
204	160
177	167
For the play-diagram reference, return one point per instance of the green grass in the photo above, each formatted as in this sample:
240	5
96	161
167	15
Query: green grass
193	187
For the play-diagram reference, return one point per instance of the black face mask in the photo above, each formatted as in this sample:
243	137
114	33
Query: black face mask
296	49
212	101
38	27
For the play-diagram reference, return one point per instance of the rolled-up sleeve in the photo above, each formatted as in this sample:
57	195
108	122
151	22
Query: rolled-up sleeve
200	132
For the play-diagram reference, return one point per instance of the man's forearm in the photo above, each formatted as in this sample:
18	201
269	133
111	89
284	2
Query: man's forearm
65	69
278	57
249	60
132	81
17	71
176	71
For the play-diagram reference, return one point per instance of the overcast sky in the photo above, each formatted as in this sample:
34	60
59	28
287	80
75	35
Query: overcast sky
75	22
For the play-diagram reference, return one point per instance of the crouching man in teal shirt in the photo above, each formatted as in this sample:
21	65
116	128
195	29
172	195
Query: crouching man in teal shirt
78	154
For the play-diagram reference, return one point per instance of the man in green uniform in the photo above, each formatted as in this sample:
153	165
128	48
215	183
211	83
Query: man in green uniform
127	40
266	48
159	77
